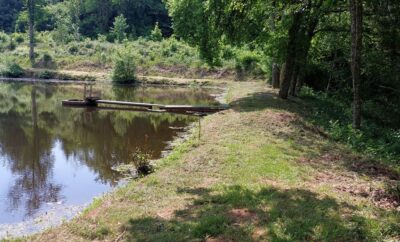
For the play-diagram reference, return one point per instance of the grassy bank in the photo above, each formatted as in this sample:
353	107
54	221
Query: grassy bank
167	57
260	171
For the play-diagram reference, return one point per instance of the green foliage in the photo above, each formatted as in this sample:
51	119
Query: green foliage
45	60
62	32
247	62
119	28
4	41
101	38
18	37
141	161
333	113
46	74
12	44
193	21
73	49
156	34
11	69
306	92
124	68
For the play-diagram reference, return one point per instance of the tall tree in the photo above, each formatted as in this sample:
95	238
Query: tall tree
356	12
31	23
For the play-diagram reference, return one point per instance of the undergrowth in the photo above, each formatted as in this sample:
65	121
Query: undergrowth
333	113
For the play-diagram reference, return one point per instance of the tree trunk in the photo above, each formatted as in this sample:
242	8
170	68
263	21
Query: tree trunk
275	76
31	22
299	85
275	67
282	73
290	56
293	82
356	12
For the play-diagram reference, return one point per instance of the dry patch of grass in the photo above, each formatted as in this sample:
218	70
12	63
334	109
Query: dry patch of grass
259	172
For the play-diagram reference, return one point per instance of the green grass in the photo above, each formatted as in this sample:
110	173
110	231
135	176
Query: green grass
168	57
252	176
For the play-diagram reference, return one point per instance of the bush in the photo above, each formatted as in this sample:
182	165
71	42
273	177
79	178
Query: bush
73	49
88	43
12	69
19	38
101	38
306	92
156	34
12	45
247	62
141	161
3	37
4	40
124	68
46	61
46	74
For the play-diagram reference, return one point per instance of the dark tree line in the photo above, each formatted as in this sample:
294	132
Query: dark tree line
93	17
9	10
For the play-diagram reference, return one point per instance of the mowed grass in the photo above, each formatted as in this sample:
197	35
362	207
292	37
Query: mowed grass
259	172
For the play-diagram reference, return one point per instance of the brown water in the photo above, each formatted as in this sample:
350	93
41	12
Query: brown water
55	156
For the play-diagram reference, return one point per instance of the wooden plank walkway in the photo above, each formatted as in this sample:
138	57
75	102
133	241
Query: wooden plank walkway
94	102
131	104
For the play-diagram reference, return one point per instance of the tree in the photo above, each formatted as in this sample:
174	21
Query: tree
120	27
156	34
356	12
75	11
31	23
286	37
142	15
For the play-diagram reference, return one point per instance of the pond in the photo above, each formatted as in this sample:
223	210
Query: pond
55	159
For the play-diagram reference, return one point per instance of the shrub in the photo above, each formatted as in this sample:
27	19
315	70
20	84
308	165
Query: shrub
12	45
88	43
19	38
12	69
306	91
46	61
46	74
124	68
247	62
4	39
101	38
141	161
73	49
102	58
156	34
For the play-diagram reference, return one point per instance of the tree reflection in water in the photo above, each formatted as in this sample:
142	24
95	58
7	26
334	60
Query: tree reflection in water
32	122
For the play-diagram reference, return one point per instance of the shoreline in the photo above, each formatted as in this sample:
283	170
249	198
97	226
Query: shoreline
60	214
256	167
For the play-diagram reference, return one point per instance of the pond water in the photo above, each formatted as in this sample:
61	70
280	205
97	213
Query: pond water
53	156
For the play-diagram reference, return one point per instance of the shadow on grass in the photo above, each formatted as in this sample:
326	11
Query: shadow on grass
317	113
240	214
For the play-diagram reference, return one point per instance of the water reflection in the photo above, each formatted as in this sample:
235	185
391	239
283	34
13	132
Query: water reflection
50	154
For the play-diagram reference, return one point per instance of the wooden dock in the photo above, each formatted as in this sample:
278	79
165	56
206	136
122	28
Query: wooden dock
95	102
